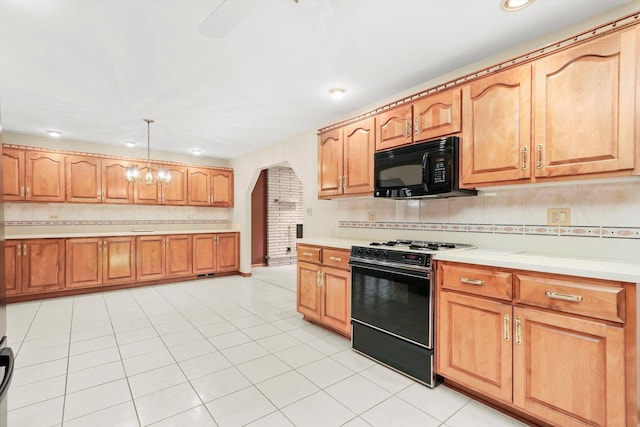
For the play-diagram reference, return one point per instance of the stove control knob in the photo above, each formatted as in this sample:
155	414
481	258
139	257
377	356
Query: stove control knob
385	254
376	254
368	252
360	250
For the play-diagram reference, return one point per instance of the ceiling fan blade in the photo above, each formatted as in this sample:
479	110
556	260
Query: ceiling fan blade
225	18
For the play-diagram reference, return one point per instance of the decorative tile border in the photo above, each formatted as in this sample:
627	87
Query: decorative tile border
540	230
114	222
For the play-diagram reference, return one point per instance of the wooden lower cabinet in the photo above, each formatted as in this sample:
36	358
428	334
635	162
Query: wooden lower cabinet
554	366
150	257
324	287
13	267
42	265
178	256
96	261
216	253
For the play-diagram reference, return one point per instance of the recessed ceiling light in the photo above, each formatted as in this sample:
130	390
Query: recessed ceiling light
196	152
54	133
337	92
130	144
511	5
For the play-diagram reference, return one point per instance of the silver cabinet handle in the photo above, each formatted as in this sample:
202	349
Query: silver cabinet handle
518	330
467	281
416	126
524	157
24	249
307	254
563	297
407	128
335	258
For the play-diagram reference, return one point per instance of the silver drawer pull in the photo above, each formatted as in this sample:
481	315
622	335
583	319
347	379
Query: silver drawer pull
563	297
307	254
468	281
335	258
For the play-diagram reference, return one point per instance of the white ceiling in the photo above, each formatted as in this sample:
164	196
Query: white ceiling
94	69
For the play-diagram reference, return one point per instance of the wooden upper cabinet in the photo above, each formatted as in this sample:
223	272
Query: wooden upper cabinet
115	187
222	188
83	179
175	193
584	107
330	163
44	177
13	174
394	128
199	187
358	149
437	115
496	127
146	194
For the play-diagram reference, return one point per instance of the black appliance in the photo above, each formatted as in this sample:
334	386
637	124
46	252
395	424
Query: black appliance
392	304
421	170
6	354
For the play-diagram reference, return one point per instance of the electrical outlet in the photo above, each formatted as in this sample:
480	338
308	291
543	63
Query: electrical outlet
53	216
559	217
371	216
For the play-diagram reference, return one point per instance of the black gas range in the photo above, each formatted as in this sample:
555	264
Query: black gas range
392	304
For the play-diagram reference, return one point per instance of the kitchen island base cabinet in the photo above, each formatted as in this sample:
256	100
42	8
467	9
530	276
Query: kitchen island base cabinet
545	349
324	287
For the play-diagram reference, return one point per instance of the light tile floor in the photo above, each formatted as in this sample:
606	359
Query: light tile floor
227	351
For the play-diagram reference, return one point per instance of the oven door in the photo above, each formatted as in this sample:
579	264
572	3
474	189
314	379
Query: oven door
394	300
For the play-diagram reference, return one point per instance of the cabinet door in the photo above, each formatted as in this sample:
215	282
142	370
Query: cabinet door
13	174
309	290
115	188
178	255
204	253
199	184
584	108
175	193
228	252
84	262
393	128
83	179
146	194
569	371
119	260
336	301
44	177
150	257
359	145
474	343
437	115
42	265
330	163
496	130
13	267
222	188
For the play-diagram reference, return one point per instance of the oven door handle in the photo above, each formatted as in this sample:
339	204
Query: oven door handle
403	271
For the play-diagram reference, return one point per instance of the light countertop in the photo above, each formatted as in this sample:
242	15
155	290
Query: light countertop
595	268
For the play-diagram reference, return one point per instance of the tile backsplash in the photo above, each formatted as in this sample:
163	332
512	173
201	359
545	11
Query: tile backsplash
69	214
597	210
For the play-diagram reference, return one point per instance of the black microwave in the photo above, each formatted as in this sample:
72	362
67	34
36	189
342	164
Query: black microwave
421	170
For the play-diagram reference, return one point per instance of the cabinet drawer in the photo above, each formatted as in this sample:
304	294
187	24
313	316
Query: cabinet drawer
309	254
335	258
587	297
485	281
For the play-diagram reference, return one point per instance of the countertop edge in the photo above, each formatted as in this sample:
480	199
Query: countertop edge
142	231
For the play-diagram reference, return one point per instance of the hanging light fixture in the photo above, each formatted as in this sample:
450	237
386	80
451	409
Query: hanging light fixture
132	173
